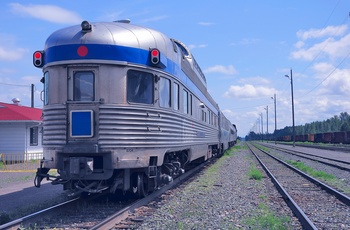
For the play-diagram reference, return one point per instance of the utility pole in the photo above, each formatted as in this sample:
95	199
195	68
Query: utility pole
291	86
32	96
267	123
274	99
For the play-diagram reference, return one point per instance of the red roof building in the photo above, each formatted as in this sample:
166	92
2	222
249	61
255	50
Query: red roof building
20	130
14	112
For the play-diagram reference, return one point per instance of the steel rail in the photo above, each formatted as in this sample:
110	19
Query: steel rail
297	153
110	221
298	212
15	224
344	149
326	158
341	196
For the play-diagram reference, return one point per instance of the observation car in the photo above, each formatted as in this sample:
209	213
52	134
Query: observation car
125	109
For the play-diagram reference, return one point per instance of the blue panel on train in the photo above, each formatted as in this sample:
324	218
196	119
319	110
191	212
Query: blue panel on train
81	124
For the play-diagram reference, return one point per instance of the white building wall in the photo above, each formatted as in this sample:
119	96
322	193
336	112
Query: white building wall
33	148
12	137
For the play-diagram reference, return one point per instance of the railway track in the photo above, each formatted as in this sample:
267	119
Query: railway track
17	224
316	205
333	147
337	163
91	213
112	220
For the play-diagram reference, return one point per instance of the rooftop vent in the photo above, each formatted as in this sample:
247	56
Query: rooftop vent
16	101
124	21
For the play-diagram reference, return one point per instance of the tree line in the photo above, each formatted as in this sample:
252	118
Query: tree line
334	124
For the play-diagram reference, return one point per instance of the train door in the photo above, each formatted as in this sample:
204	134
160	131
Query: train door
82	104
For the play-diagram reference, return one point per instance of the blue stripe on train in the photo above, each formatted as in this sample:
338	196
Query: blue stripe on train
96	51
119	53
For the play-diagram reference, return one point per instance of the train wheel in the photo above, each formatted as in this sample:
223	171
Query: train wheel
142	185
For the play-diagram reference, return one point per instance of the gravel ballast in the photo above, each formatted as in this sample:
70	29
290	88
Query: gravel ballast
222	196
225	197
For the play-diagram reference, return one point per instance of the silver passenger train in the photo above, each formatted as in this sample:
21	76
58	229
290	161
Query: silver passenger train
125	109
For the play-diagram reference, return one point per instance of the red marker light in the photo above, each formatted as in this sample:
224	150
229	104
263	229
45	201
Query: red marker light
37	54
38	59
155	52
155	56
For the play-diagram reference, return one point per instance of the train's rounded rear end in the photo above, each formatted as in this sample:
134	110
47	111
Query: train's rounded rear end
125	109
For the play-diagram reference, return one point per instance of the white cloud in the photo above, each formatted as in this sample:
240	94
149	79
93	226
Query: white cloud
191	47
248	91
322	68
228	70
9	50
49	13
325	32
206	23
256	80
308	54
336	83
330	47
11	54
299	44
338	48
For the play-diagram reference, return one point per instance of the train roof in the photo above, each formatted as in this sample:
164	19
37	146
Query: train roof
110	33
115	37
121	42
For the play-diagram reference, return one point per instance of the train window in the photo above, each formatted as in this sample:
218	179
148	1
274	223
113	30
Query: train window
140	87
191	110
84	86
176	96
33	133
182	47
46	88
164	93
185	101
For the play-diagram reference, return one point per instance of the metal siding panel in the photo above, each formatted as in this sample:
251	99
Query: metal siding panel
129	127
55	125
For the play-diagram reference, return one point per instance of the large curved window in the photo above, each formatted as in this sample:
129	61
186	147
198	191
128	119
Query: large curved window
140	87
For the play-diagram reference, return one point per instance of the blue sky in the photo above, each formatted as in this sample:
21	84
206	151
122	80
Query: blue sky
245	49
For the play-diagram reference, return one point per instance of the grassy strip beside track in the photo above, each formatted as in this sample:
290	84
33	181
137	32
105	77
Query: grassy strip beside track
314	173
266	219
328	178
255	173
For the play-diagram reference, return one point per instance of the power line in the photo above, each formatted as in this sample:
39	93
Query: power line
324	26
14	85
323	48
335	68
330	74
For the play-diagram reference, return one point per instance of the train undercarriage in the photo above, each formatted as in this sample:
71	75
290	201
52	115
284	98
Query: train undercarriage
78	175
